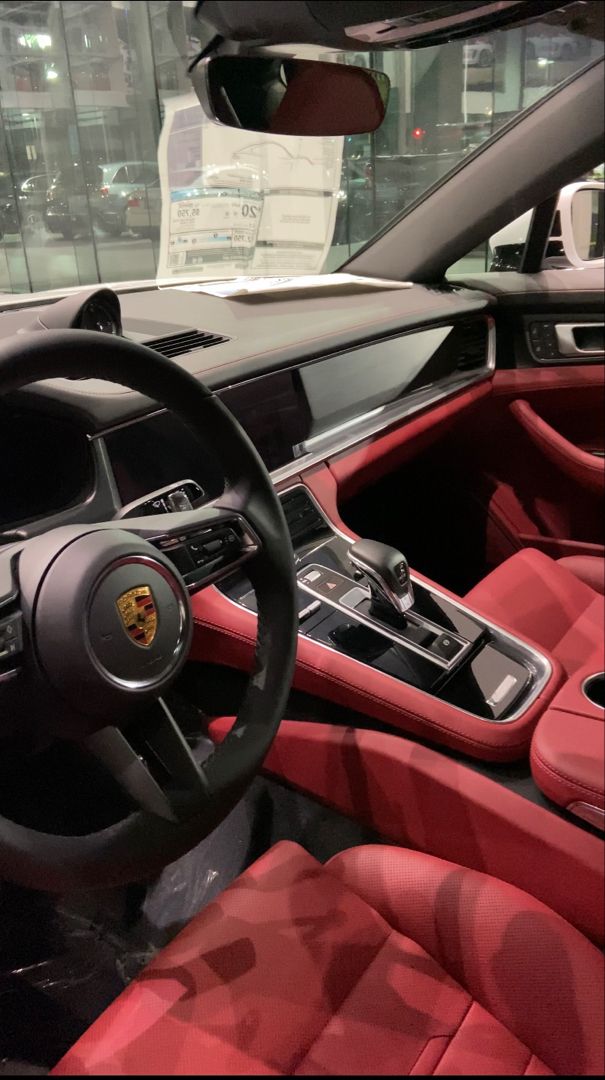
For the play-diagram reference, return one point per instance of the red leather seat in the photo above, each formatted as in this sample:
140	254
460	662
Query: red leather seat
588	568
546	600
383	961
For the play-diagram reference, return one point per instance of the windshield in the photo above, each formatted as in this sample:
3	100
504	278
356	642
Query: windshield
109	172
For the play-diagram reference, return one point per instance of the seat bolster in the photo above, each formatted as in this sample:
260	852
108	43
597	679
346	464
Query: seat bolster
540	599
587	568
524	964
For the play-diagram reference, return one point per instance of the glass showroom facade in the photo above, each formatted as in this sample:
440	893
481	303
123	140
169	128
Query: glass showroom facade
83	89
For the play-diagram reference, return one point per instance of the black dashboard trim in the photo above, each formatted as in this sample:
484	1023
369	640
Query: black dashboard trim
264	337
343	437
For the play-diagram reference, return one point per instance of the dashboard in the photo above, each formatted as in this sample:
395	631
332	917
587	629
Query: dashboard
301	396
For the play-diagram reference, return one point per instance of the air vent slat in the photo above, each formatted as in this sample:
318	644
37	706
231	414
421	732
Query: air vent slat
303	519
184	342
472	349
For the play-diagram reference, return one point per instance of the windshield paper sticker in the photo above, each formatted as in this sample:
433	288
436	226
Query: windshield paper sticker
240	203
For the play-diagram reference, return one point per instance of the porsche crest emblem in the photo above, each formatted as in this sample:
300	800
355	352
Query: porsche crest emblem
138	614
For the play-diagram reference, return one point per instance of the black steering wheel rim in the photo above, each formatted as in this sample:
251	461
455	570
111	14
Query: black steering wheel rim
143	843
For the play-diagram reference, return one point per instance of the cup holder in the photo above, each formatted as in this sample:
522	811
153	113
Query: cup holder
594	689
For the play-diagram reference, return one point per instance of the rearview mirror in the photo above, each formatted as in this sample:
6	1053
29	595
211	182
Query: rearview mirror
581	208
285	96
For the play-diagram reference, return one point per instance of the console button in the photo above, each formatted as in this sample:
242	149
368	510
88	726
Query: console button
324	582
309	610
446	647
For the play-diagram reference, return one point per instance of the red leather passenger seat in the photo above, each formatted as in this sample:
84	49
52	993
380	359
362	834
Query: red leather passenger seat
557	604
588	568
383	961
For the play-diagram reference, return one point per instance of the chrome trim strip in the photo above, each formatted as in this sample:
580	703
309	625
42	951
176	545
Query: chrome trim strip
126	423
341	438
538	664
6	676
594	815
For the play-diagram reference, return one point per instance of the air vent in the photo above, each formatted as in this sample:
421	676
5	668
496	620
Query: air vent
472	347
187	341
303	519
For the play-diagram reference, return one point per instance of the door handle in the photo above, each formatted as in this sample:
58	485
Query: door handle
567	342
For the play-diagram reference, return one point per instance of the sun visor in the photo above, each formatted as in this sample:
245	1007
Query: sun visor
376	23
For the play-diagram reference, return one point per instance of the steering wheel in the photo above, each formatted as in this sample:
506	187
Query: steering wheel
96	623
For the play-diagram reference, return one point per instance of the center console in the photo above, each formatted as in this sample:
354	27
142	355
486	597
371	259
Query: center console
358	600
567	755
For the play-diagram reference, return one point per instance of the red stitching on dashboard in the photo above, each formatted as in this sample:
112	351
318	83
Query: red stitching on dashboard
449	730
338	346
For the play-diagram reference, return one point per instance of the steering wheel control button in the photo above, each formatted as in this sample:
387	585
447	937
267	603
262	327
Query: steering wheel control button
197	552
213	547
180	557
200	557
11	637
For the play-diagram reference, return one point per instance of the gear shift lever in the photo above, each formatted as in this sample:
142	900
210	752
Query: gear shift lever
388	575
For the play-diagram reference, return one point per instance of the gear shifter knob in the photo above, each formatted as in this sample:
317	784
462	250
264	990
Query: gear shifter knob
387	572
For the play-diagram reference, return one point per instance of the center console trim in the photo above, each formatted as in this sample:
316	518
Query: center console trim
390	632
539	664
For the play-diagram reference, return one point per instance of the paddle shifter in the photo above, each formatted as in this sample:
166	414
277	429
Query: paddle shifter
388	576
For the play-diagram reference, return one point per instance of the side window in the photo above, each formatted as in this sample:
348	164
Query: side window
121	177
503	250
576	234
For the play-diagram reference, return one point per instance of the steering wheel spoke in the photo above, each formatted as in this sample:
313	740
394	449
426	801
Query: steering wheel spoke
205	544
153	764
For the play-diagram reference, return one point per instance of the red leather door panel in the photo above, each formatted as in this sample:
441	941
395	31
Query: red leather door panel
531	499
582	466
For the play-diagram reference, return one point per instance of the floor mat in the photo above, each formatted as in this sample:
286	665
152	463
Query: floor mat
64	960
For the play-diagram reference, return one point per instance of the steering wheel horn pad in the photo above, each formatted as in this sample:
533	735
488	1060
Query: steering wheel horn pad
109	617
